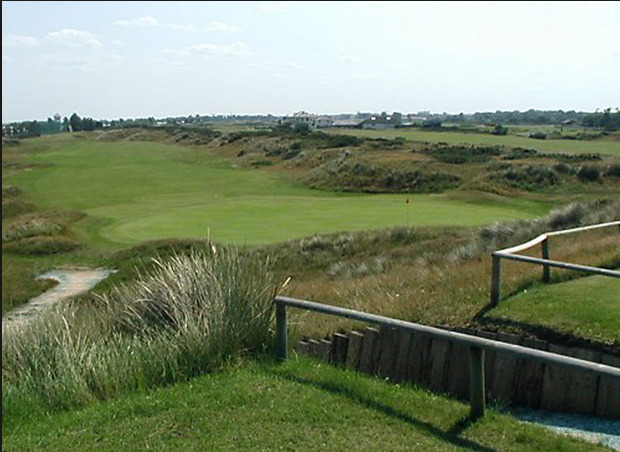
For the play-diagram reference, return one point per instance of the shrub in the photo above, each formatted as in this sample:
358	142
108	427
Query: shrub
462	154
350	175
563	168
613	170
531	177
499	130
520	153
538	135
589	173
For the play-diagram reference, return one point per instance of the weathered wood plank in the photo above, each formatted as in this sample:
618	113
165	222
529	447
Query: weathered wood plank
354	352
556	383
583	387
338	353
530	377
390	345
368	355
504	371
608	397
402	360
419	372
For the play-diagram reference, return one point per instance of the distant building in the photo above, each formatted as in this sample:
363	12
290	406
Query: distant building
313	121
383	121
348	123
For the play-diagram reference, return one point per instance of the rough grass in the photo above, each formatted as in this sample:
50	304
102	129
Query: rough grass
19	283
439	277
607	146
191	315
298	405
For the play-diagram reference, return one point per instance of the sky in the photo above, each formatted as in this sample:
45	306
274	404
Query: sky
110	60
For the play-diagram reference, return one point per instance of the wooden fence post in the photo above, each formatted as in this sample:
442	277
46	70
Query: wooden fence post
476	382
545	255
281	333
495	280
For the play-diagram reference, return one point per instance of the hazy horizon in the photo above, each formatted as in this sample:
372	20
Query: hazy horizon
109	60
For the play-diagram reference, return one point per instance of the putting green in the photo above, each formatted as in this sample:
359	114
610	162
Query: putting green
136	191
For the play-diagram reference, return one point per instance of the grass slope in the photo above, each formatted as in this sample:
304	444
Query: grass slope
601	146
586	307
136	191
298	405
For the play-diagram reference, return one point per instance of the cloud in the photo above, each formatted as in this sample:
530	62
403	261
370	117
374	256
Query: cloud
19	40
272	7
66	62
73	38
359	76
6	58
186	27
237	50
220	26
213	26
150	21
349	59
277	69
146	21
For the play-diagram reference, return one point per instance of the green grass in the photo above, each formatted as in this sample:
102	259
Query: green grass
297	405
136	191
600	146
587	307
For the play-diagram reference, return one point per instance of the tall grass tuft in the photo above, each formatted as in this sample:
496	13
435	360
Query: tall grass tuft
500	235
191	315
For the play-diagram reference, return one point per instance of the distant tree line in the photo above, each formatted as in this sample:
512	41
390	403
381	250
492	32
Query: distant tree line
518	117
27	129
603	120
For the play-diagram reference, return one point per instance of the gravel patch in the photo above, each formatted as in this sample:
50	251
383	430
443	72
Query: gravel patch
605	432
70	284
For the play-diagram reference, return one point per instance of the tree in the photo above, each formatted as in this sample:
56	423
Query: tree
76	123
499	130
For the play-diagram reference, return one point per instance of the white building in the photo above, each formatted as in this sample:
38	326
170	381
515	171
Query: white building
313	121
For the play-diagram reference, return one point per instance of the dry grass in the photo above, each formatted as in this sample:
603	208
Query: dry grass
431	282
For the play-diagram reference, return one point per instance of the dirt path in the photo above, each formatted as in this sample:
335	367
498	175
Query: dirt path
71	283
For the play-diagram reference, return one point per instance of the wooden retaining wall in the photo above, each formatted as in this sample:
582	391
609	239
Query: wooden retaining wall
442	366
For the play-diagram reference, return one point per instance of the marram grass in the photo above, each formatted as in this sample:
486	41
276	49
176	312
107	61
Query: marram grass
190	316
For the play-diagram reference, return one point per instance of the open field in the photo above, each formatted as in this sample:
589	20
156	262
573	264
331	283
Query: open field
298	405
607	146
135	191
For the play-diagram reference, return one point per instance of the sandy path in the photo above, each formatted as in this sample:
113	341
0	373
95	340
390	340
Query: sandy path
71	283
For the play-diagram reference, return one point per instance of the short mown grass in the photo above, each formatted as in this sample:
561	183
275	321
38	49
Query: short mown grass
587	307
135	191
297	405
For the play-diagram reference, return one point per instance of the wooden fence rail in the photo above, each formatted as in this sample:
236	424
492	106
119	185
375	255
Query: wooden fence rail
543	240
476	347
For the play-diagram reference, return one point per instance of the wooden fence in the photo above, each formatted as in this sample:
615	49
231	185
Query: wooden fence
533	373
545	262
